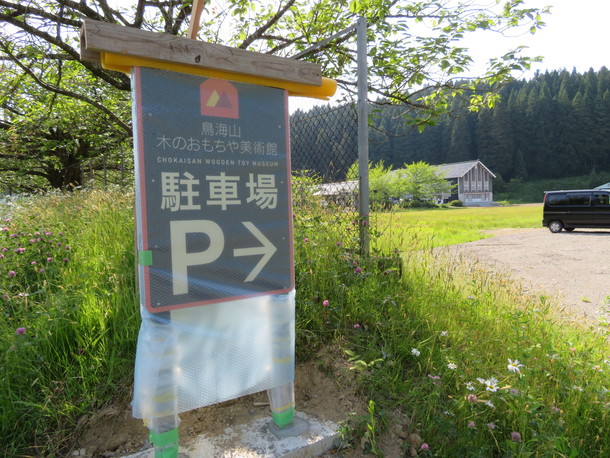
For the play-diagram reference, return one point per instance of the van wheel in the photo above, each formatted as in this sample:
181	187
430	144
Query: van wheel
568	229
555	226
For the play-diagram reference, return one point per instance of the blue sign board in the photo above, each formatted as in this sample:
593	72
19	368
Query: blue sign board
214	217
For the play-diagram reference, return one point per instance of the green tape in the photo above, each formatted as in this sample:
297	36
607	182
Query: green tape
145	258
282	419
164	439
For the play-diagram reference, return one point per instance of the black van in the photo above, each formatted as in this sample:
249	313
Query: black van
569	210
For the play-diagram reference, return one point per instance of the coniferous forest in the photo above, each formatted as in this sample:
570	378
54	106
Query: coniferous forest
555	125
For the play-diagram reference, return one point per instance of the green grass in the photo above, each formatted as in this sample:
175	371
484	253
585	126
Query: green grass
429	337
450	226
70	316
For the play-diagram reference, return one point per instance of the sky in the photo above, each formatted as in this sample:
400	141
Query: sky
577	35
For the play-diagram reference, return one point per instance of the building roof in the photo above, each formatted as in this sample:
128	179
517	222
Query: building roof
337	188
459	169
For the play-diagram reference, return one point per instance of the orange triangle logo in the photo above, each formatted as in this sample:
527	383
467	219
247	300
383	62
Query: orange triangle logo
219	98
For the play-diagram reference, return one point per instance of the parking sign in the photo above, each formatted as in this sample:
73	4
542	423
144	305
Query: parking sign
213	197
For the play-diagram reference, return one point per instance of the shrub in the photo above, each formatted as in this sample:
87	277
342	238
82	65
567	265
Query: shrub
456	203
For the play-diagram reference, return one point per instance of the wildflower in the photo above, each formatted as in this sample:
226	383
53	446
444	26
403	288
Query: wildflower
20	331
415	352
338	243
66	259
490	385
578	388
491	425
19	250
1	256
306	239
435	379
356	326
33	263
41	271
4	250
12	273
515	436
444	333
358	270
514	392
513	366
452	366
470	386
424	446
325	303
49	259
555	409
472	424
472	398
488	403
68	247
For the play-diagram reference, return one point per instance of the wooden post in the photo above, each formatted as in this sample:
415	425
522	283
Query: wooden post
195	18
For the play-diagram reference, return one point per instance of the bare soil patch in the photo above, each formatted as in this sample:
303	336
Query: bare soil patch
571	267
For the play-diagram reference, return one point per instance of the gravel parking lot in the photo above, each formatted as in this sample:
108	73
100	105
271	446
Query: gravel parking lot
571	266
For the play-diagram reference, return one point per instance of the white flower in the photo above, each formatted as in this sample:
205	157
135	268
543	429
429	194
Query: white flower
490	385
578	388
415	352
444	333
490	404
452	366
470	386
514	366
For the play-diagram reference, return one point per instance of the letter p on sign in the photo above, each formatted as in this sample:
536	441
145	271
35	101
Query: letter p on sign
181	259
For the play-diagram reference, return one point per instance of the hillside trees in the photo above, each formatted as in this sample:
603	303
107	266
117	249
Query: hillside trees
414	48
552	126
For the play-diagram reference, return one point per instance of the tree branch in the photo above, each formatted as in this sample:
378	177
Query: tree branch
261	30
68	93
25	10
121	83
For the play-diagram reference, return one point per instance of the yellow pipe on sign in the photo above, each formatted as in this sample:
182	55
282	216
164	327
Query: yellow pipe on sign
122	63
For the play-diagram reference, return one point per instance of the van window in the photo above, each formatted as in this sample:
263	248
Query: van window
560	198
579	198
601	199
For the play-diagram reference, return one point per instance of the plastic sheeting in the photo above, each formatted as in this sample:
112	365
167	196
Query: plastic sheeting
194	357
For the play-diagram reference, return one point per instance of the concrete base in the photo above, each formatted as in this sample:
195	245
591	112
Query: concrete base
307	437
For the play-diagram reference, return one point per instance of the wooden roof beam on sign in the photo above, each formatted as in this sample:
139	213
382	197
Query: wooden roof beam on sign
102	37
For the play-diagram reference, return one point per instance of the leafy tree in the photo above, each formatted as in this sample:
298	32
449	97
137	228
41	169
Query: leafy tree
40	41
47	138
380	184
420	182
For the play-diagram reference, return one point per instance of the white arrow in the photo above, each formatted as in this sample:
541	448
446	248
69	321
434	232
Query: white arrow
267	249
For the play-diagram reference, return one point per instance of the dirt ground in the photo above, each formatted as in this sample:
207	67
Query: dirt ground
573	267
570	266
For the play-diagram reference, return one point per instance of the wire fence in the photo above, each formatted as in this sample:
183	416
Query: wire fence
324	150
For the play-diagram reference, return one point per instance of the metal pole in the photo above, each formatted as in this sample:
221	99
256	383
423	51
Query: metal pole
363	136
122	166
